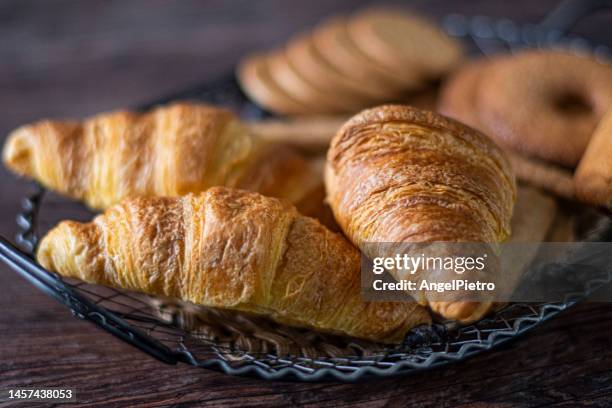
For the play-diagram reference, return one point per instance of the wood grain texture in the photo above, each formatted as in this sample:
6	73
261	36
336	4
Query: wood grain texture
69	58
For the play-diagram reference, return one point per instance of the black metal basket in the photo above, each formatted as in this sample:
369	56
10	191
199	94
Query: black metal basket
151	326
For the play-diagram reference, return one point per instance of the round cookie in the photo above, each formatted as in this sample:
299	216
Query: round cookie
545	103
290	81
405	43
333	42
312	66
255	80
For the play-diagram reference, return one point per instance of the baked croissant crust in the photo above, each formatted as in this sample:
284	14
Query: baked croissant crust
232	249
169	151
396	174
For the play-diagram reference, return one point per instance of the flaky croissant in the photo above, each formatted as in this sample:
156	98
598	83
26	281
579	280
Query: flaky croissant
169	151
228	248
398	174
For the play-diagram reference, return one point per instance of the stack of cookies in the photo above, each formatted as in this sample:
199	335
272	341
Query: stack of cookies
348	63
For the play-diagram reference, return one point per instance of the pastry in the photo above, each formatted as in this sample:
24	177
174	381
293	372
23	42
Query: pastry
533	216
532	222
547	176
458	94
593	177
545	103
169	151
229	249
397	174
529	148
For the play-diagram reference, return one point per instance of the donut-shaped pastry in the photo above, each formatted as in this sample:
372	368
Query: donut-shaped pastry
458	100
458	95
545	103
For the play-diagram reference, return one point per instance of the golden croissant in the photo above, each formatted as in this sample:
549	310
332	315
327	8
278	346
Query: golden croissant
232	249
398	174
169	151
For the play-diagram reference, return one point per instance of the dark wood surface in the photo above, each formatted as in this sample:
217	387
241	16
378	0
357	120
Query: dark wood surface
74	58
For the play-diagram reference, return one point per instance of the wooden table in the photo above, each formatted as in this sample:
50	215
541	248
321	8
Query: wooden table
74	58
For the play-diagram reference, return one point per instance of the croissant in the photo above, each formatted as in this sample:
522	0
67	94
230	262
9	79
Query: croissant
232	249
398	174
169	151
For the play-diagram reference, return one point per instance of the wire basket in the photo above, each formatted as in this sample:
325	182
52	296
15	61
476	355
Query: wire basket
175	332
